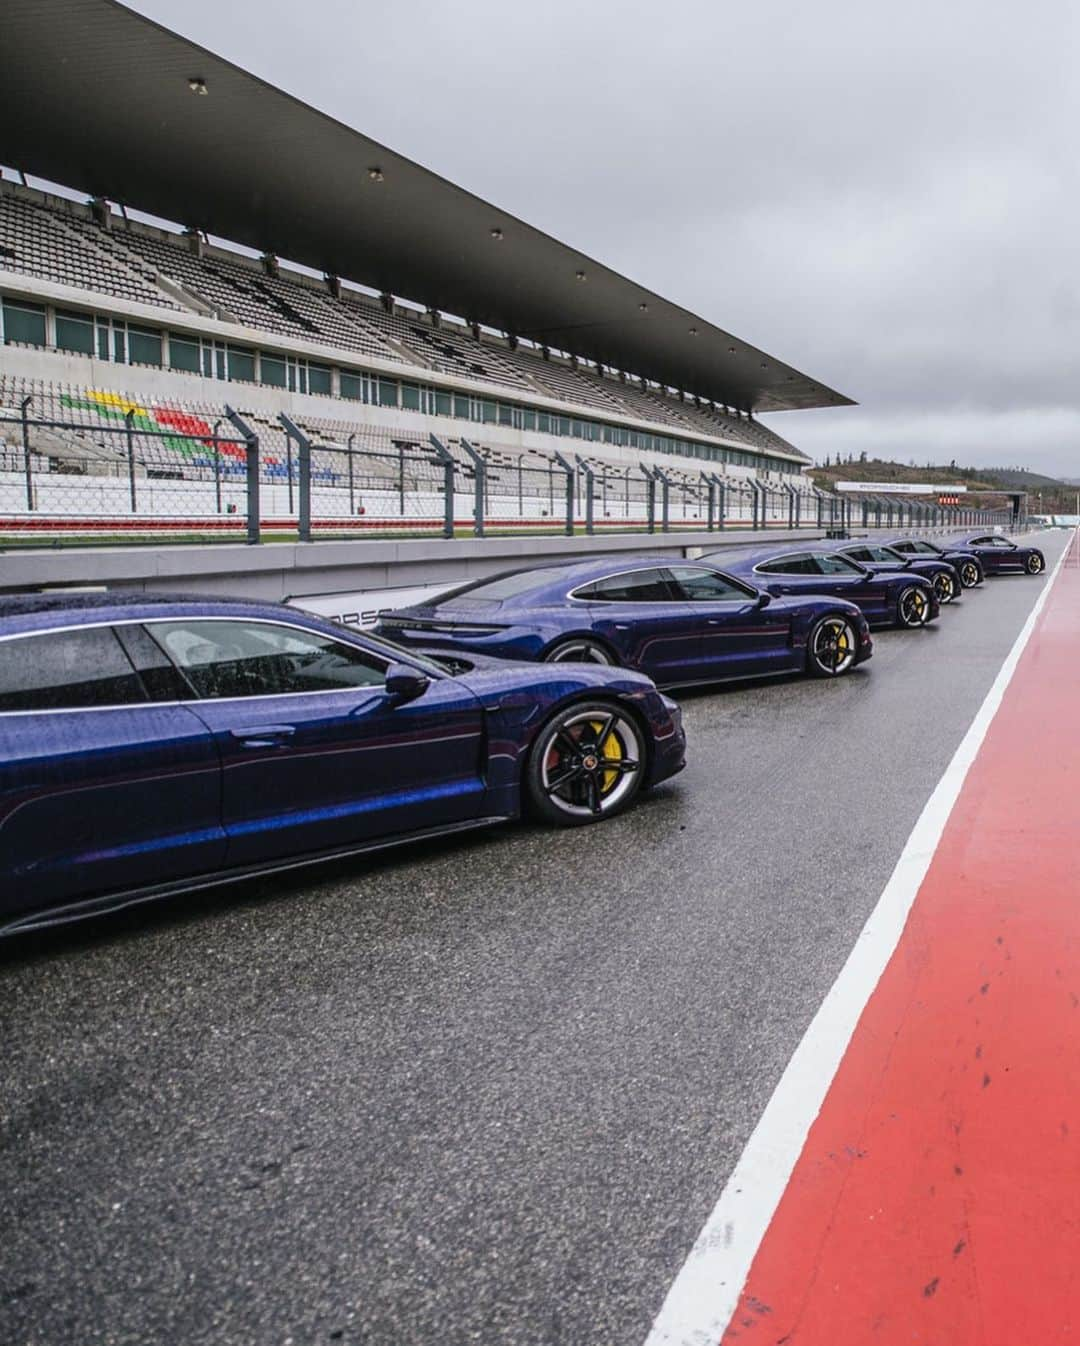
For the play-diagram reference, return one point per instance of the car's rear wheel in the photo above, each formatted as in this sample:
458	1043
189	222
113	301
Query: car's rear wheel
587	763
969	574
944	587
1035	563
912	607
578	650
832	647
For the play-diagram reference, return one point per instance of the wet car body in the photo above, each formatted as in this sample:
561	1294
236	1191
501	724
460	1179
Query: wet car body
821	569
999	555
879	557
150	746
679	622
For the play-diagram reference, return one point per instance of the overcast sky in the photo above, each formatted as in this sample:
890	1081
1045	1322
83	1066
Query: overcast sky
885	196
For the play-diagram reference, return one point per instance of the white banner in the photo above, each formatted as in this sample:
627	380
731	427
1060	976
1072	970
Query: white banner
900	488
362	607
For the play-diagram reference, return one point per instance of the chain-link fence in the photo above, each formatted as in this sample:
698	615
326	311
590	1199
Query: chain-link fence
82	466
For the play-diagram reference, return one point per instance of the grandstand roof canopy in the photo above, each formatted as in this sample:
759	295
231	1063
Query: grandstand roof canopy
101	99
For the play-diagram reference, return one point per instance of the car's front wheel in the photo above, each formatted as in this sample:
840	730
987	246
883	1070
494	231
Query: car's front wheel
578	650
832	647
1035	563
969	574
912	607
944	587
587	763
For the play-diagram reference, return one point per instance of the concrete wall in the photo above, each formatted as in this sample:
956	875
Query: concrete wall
289	570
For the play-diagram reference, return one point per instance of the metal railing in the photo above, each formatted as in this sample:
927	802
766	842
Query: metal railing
121	476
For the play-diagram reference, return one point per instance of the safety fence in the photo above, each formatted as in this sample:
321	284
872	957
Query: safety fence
119	473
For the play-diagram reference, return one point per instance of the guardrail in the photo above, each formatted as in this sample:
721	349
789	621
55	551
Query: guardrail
122	477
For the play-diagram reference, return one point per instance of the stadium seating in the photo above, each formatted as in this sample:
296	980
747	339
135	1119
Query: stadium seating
62	241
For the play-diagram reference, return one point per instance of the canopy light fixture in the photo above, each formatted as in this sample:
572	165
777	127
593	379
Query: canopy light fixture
644	308
731	350
197	85
693	331
580	275
496	234
375	173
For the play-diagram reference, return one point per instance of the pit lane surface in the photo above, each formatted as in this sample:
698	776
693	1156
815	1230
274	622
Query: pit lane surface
485	1091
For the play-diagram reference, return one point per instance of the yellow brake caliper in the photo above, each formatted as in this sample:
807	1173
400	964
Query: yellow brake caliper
613	752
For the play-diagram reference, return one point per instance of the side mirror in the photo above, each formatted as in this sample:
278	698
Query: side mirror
763	599
406	683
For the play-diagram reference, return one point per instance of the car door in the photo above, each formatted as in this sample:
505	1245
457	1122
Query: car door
642	612
317	755
794	574
740	637
101	788
845	578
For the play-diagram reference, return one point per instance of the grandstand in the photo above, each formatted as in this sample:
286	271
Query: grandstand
123	342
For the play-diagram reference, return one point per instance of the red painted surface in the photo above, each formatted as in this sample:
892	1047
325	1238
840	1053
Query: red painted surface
937	1199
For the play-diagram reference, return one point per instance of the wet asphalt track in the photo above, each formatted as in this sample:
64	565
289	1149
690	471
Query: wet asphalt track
484	1091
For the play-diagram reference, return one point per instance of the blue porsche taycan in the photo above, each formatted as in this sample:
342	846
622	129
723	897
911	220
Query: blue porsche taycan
876	556
149	746
967	564
889	598
680	622
999	555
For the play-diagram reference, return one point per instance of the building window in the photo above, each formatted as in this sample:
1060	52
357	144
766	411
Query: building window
388	393
144	346
241	365
461	407
318	380
442	403
352	387
487	412
75	332
272	371
410	396
24	323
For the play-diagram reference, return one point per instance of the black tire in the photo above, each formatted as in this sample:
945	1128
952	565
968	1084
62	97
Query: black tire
832	647
579	650
945	587
1035	564
586	764
970	574
912	607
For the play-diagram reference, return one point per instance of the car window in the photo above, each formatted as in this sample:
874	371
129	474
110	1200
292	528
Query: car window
160	677
633	586
790	565
834	564
874	554
507	585
67	670
697	584
926	547
250	658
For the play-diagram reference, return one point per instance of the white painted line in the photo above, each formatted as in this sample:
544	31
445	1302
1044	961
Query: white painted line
706	1291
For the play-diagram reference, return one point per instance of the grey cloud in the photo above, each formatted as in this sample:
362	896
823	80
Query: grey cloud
883	195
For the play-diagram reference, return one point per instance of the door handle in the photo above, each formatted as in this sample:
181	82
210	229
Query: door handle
263	735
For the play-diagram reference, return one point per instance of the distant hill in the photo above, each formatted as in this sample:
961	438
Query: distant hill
1049	494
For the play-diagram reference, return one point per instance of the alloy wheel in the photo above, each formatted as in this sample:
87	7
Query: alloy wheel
913	607
832	647
587	764
578	652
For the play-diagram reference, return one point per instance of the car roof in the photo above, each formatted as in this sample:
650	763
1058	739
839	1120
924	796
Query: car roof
752	555
39	612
